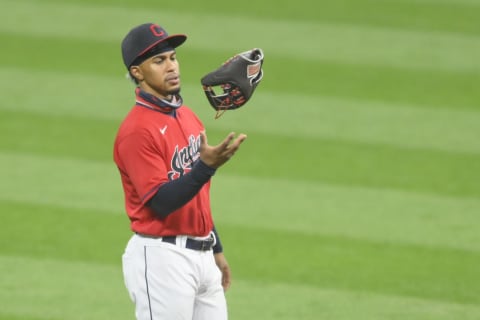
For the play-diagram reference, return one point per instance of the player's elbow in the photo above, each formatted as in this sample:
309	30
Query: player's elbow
159	208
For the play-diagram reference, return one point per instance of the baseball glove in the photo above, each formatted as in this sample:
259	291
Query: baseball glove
237	79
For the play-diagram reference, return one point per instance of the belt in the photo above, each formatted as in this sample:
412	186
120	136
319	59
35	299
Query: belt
194	244
186	242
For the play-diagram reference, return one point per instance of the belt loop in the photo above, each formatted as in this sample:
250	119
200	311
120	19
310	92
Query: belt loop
182	241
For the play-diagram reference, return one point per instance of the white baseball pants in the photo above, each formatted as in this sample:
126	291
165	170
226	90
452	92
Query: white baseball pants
170	282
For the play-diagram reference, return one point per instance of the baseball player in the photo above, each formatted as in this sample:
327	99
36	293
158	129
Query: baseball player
173	265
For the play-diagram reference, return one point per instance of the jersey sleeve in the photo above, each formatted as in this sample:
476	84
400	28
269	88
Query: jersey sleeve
144	163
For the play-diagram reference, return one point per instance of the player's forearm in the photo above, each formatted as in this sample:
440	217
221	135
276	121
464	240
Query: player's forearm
176	193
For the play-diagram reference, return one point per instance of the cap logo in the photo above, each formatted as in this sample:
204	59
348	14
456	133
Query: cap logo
157	30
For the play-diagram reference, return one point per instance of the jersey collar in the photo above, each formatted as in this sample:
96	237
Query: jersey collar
148	100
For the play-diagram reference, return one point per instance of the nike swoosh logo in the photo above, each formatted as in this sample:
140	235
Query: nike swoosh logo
162	130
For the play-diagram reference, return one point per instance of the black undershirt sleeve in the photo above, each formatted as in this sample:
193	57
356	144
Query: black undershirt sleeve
217	248
176	193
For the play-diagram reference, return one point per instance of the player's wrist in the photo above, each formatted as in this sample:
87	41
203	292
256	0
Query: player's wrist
201	172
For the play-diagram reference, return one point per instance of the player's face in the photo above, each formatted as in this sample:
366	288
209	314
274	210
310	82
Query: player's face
159	75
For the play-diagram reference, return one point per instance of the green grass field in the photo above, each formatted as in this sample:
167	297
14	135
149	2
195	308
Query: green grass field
355	197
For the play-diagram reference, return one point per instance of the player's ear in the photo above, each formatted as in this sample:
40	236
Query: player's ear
136	73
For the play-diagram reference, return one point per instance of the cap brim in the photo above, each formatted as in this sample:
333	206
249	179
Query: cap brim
174	41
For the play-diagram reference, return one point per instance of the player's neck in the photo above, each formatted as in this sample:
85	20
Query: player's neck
165	105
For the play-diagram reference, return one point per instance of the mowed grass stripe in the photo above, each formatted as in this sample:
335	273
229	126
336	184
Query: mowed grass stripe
353	264
294	205
247	299
313	41
62	136
268	112
280	301
371	214
359	121
258	254
271	113
66	182
330	161
352	164
315	159
429	15
41	289
64	233
355	80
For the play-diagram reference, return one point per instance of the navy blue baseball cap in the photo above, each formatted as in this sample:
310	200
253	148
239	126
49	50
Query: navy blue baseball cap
147	40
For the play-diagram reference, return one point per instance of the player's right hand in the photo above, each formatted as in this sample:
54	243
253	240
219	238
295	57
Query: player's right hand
216	156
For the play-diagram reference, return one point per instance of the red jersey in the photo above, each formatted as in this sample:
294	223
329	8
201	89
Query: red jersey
152	148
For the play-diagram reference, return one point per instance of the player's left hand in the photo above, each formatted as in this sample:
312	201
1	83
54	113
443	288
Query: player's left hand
216	156
222	264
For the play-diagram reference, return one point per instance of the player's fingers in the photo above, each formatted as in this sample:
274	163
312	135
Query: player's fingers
241	137
226	283
226	142
226	278
236	144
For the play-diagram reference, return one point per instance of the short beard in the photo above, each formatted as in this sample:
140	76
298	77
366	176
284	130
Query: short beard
174	92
